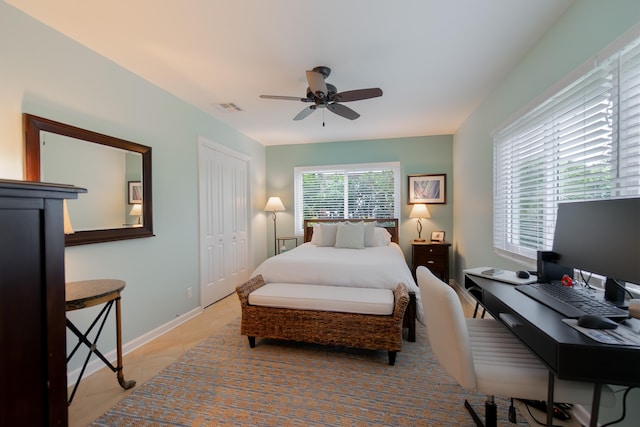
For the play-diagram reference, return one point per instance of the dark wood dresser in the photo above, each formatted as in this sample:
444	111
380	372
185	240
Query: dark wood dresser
33	390
433	255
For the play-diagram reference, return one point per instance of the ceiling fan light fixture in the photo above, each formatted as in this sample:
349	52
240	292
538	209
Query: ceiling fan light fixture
323	94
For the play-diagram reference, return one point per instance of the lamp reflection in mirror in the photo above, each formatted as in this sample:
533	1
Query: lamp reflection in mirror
136	210
68	229
274	204
419	211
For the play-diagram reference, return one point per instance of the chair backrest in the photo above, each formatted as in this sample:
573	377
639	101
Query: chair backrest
447	329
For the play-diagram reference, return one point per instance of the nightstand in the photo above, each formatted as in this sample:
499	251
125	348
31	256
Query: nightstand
433	255
282	243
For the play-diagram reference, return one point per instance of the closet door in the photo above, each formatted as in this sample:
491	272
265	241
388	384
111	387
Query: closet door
223	223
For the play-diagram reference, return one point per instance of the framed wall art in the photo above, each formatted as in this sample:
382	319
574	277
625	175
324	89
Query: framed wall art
135	192
429	189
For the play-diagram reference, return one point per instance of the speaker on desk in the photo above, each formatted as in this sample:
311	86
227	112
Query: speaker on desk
614	293
549	269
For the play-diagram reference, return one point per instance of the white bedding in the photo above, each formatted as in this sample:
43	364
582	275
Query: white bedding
372	267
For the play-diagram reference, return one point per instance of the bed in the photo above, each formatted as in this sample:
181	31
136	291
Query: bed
380	263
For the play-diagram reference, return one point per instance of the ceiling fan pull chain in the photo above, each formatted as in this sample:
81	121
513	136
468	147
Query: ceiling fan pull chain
323	116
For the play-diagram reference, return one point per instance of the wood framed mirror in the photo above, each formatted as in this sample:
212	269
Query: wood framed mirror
114	171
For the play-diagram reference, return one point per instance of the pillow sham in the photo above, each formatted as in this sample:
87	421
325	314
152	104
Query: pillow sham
350	236
328	234
383	237
315	237
370	234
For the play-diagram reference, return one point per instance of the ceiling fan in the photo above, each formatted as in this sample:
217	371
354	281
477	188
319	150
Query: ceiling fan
325	95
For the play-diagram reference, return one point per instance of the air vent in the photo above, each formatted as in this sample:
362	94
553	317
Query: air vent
229	107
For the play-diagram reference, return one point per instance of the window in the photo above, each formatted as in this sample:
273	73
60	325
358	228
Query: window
583	143
346	191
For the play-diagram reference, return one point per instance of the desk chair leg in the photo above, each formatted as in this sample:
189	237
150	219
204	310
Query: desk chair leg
473	414
123	383
490	413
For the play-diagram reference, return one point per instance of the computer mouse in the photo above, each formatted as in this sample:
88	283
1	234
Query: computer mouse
523	274
592	321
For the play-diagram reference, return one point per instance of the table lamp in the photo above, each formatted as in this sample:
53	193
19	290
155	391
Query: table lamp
419	211
68	228
274	204
136	210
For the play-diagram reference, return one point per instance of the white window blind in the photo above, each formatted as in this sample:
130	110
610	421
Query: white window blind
583	143
346	191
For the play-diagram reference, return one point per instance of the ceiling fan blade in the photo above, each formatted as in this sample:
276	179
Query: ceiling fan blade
316	83
357	95
304	113
343	111
286	98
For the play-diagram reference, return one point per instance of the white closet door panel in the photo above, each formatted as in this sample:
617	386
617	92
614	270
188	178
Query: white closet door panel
224	218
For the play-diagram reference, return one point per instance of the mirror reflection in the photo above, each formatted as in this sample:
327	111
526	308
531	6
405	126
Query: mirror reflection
106	172
116	173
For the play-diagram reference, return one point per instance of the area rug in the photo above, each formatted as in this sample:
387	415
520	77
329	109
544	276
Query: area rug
222	381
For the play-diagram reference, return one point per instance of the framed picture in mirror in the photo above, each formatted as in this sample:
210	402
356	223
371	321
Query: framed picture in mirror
135	192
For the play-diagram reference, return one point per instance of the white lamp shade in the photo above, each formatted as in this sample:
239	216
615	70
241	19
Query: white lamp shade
420	210
274	204
136	210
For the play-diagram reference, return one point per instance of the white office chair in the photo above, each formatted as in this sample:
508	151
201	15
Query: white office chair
482	355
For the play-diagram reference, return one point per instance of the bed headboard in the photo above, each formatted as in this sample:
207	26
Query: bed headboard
391	224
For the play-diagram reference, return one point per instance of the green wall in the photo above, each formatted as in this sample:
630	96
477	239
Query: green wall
47	74
425	154
586	28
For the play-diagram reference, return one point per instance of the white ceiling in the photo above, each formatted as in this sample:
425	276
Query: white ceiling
435	60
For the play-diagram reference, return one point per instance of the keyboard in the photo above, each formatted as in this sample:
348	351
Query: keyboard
572	302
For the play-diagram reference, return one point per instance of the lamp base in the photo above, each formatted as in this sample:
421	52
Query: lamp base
419	240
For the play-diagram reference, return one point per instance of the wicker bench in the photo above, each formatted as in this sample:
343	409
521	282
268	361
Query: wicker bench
372	332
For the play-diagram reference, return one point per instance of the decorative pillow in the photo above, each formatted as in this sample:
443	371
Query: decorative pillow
350	236
370	234
383	238
328	234
315	237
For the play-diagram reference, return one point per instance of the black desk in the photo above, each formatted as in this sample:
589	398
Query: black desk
566	352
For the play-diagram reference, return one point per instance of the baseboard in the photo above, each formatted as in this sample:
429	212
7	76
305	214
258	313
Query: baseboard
97	364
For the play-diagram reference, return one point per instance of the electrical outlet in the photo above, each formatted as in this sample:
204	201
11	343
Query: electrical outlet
189	293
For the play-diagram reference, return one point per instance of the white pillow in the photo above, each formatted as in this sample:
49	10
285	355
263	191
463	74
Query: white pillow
315	237
370	234
350	236
383	237
328	234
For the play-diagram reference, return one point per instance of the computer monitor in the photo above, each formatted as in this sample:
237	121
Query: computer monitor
601	237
